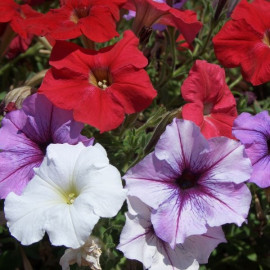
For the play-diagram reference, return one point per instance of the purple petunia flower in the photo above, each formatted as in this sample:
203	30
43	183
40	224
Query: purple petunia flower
254	133
139	241
192	183
25	135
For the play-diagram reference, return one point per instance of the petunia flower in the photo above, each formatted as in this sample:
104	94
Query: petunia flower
254	133
18	45
17	15
211	104
245	41
192	183
100	87
74	186
149	12
139	241
95	19
86	255
131	13
25	135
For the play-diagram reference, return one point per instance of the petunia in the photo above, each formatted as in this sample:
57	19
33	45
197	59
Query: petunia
86	255
211	104
139	241
25	135
74	186
95	19
149	12
192	183
100	87
179	4
254	133
245	41
17	15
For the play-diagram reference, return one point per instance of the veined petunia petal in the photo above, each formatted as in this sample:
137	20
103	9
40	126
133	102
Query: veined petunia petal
190	213
136	242
225	162
151	176
261	172
201	246
188	143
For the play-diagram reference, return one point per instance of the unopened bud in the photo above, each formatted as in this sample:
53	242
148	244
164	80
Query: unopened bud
144	35
220	6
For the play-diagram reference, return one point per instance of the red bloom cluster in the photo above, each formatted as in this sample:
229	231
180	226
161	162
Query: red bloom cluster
100	87
245	41
211	104
149	12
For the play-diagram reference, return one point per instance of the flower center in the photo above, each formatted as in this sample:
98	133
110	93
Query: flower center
268	145
103	84
78	13
266	38
71	198
187	180
43	146
207	108
100	78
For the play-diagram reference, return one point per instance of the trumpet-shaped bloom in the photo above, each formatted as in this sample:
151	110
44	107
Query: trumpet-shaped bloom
245	41
149	12
25	135
100	87
211	104
192	183
96	19
254	133
72	188
17	16
139	241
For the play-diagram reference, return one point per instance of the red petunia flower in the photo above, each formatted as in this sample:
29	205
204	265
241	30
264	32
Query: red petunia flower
99	86
96	19
18	45
149	12
17	16
245	41
210	105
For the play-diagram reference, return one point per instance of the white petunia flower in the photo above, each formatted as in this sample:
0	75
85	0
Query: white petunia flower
87	255
73	187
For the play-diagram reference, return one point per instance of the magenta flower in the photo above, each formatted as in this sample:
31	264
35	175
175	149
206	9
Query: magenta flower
25	135
254	133
192	183
139	241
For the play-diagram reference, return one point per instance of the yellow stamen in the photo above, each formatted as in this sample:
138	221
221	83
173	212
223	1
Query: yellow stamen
71	198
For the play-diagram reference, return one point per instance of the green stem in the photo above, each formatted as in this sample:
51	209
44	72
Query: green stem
6	39
238	80
87	43
207	39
